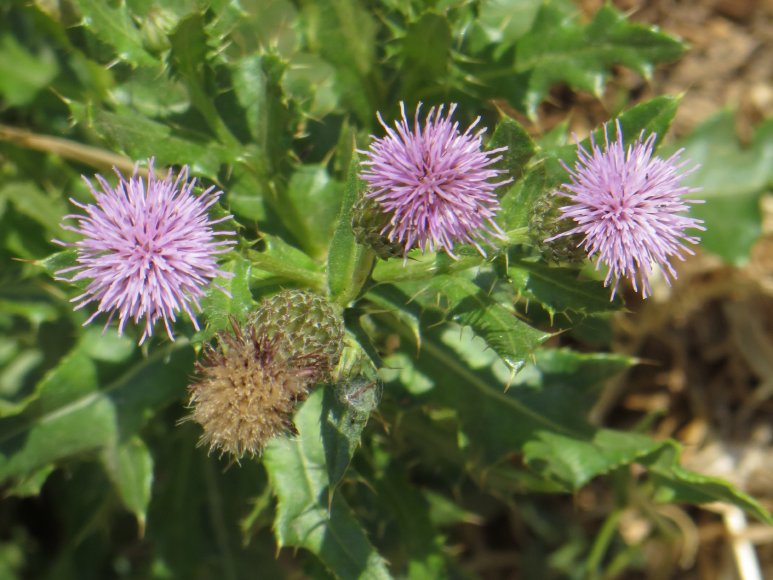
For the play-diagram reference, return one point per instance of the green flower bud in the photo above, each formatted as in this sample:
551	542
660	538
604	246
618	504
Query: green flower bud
156	27
304	324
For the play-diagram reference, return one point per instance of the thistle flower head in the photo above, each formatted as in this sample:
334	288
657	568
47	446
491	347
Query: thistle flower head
628	205
304	324
247	390
148	249
252	379
434	182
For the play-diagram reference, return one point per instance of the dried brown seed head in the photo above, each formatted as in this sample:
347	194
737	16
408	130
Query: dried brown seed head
247	390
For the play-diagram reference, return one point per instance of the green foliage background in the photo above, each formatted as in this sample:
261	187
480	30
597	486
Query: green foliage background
267	99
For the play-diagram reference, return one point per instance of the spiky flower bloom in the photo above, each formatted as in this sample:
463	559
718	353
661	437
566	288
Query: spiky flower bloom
251	381
434	182
149	249
629	206
247	390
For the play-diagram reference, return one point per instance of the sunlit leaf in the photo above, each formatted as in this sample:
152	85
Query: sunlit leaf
348	263
130	468
298	473
468	304
560	49
560	289
732	180
113	25
676	484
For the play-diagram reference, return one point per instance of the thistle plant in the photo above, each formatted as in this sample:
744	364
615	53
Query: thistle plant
326	413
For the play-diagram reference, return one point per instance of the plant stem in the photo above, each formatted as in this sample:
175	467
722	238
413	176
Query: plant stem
601	545
68	149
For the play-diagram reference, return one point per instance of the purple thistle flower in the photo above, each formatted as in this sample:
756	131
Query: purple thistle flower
629	206
434	183
148	249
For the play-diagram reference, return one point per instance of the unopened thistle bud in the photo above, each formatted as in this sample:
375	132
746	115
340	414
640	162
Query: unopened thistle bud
368	223
304	324
156	27
248	388
547	221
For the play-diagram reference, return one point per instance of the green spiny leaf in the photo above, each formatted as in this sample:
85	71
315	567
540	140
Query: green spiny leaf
560	289
560	49
298	473
540	408
189	57
511	338
673	483
348	263
114	25
732	180
575	461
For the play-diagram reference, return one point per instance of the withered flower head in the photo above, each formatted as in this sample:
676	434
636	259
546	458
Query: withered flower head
251	380
247	389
